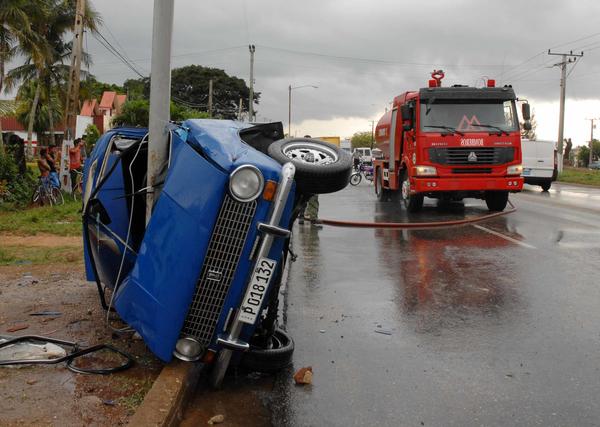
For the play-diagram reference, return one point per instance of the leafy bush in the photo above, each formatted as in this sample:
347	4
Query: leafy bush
15	188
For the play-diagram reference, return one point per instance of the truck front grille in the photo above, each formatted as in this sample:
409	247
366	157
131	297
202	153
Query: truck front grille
220	263
472	156
472	170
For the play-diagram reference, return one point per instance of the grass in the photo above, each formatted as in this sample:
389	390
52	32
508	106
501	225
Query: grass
580	176
62	220
36	255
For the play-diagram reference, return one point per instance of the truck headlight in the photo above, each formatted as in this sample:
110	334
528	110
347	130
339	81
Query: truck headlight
514	170
426	170
246	183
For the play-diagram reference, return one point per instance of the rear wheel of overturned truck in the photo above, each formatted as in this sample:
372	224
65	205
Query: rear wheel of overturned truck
496	200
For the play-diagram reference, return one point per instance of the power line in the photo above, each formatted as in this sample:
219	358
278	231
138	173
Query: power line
104	42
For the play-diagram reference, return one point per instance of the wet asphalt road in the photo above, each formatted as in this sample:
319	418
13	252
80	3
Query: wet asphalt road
494	324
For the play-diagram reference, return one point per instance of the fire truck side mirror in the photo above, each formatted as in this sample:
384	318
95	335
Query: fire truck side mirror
526	125
405	112
526	112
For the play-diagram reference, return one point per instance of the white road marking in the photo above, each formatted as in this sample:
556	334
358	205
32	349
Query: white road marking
510	239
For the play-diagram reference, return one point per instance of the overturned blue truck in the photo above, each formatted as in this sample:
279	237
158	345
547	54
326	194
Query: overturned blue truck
200	280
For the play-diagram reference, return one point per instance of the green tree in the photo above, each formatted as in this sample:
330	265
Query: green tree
90	137
583	155
189	88
137	113
361	139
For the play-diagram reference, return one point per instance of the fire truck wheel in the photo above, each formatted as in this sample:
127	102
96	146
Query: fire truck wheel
496	200
320	167
383	194
412	202
272	359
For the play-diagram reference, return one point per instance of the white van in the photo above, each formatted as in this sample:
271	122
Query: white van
365	154
539	163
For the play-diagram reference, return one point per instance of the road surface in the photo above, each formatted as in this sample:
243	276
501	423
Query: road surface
491	324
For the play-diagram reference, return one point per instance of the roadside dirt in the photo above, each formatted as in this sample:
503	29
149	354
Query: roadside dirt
40	240
52	395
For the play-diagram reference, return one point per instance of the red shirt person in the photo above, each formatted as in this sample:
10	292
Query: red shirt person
75	166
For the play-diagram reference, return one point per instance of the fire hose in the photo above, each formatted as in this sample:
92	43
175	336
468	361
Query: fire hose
413	225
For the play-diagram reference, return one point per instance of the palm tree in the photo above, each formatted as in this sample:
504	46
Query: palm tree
14	25
51	21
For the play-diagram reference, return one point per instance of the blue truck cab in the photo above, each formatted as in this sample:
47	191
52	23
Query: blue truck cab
199	280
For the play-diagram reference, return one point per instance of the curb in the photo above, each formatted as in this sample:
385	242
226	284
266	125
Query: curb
163	405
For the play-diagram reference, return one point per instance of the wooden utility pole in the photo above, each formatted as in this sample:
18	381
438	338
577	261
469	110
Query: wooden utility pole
210	98
567	58
252	48
72	101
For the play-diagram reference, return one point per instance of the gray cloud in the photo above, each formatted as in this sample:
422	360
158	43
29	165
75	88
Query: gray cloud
362	53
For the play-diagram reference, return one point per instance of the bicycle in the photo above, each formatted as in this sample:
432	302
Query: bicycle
42	195
78	187
363	170
57	195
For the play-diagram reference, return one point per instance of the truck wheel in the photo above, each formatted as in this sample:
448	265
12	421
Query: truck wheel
496	200
320	167
272	359
412	202
546	185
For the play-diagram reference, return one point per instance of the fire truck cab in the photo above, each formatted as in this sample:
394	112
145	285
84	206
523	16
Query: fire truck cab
450	143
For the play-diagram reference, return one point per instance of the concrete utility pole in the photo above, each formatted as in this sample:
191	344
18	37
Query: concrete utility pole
210	98
372	133
290	89
72	101
240	111
252	48
160	94
592	126
567	58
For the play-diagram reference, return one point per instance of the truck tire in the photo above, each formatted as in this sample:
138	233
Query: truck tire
496	200
382	194
320	167
546	185
412	202
270	360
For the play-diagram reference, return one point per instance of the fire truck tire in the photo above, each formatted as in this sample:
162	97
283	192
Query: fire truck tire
270	360
382	194
320	167
412	202
496	200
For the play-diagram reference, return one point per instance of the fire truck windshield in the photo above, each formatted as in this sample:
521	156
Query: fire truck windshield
469	115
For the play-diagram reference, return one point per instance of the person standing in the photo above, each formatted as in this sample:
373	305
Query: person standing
75	161
42	164
51	160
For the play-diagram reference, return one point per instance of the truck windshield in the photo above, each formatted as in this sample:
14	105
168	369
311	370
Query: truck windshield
469	115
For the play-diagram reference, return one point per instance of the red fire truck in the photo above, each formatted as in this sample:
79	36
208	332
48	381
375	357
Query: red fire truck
450	143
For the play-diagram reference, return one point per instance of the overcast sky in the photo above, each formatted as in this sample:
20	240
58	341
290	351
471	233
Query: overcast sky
361	54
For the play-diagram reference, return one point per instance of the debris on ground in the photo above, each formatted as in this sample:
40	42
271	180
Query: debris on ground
304	375
30	351
18	327
383	331
217	419
46	313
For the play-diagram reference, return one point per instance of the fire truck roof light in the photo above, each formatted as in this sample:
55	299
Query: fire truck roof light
491	83
432	83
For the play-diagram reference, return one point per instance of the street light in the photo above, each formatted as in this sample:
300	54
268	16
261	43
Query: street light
290	88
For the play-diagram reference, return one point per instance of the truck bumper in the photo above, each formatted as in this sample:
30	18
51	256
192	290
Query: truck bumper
434	184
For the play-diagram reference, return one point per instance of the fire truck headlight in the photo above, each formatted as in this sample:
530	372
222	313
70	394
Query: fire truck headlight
426	171
246	183
514	170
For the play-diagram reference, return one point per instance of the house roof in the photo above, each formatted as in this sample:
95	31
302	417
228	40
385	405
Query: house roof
119	101
108	100
89	108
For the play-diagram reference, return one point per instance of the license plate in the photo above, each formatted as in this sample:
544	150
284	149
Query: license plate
255	294
526	172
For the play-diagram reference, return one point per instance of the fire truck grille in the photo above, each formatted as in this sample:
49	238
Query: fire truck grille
220	263
472	156
471	170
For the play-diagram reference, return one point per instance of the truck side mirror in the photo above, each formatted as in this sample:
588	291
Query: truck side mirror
527	125
526	112
405	112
